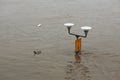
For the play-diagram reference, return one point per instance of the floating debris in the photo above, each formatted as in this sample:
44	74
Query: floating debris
39	25
37	52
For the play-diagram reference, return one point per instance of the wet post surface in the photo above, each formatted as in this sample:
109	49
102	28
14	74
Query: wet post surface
78	50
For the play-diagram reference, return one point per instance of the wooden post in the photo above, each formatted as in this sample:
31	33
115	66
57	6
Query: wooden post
78	45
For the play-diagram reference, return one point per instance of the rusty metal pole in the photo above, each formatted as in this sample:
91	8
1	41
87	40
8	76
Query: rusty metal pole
78	43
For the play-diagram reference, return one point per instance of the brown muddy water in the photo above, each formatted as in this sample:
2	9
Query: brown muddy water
19	36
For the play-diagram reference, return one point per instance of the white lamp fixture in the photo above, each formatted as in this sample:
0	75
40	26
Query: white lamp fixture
86	28
68	24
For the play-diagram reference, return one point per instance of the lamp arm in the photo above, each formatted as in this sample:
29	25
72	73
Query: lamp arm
86	33
77	36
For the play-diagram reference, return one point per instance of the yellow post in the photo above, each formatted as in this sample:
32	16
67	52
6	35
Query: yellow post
78	45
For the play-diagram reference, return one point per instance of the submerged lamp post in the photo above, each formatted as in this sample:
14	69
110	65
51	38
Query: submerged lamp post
78	37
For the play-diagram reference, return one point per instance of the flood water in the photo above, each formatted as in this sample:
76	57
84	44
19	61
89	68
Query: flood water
20	36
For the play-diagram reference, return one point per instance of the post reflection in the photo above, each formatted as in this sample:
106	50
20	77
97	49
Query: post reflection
77	58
